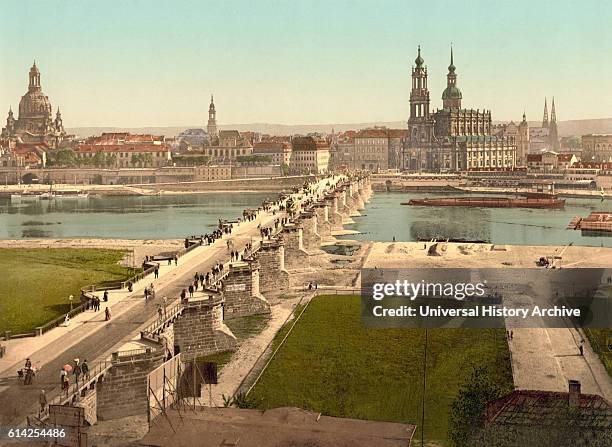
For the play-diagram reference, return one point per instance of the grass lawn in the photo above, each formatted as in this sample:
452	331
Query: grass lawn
36	283
601	342
332	364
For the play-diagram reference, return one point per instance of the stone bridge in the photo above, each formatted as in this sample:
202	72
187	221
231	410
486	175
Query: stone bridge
195	326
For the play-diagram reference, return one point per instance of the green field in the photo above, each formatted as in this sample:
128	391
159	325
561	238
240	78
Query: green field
601	342
36	283
332	364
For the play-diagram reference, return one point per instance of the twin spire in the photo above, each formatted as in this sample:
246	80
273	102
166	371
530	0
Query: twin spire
553	114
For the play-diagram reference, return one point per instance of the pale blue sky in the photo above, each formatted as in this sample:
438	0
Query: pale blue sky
137	63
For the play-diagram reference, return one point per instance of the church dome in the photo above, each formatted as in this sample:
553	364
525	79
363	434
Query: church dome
34	104
451	92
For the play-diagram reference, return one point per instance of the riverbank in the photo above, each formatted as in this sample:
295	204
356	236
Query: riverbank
260	184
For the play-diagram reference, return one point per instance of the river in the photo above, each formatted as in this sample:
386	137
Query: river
384	218
123	217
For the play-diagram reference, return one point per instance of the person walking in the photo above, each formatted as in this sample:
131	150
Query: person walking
156	271
175	260
107	314
76	371
85	370
64	379
190	290
160	312
183	294
105	296
42	400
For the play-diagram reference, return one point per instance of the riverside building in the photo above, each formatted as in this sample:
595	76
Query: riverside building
452	138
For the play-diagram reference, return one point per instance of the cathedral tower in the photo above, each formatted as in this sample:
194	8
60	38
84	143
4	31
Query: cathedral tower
420	123
212	119
545	119
553	133
451	98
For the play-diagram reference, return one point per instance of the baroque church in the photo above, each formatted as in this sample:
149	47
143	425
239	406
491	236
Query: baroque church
35	123
451	138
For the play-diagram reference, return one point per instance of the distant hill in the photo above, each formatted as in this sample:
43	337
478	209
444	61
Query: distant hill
566	128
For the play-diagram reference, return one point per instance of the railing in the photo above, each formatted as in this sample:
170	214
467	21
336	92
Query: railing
169	314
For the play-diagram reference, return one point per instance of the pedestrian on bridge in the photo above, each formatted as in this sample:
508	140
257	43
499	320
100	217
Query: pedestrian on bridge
76	371
190	290
42	399
107	314
85	370
160	312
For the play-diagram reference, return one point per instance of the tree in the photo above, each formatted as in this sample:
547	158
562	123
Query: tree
64	157
285	169
468	409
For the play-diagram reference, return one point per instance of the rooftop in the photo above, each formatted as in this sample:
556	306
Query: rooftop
278	427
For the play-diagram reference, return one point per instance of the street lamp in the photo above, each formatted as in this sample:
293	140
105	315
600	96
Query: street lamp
71	297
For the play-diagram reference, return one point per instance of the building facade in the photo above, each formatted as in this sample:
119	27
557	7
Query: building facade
309	155
452	138
597	148
279	151
35	123
125	150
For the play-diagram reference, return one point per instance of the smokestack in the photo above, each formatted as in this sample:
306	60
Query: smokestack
574	393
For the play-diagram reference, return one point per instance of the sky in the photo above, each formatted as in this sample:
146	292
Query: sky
137	63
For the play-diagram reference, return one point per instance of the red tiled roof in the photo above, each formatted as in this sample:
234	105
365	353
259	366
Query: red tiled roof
528	407
116	137
267	147
593	165
372	133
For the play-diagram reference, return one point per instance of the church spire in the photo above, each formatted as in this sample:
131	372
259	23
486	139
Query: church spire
212	119
545	118
451	97
553	115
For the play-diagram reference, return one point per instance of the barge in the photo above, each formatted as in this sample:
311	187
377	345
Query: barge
490	202
595	224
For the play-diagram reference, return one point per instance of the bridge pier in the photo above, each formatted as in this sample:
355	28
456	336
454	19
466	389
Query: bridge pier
272	274
311	239
200	329
124	390
295	255
323	224
334	217
241	291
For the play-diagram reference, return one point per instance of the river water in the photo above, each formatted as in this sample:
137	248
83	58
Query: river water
176	216
124	217
385	218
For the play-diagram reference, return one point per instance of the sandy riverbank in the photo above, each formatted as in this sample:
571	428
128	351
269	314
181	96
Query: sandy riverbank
413	254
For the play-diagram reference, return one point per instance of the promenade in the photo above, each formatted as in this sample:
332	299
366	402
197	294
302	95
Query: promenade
90	337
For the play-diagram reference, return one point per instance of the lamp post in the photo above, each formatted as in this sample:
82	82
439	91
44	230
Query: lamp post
71	298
